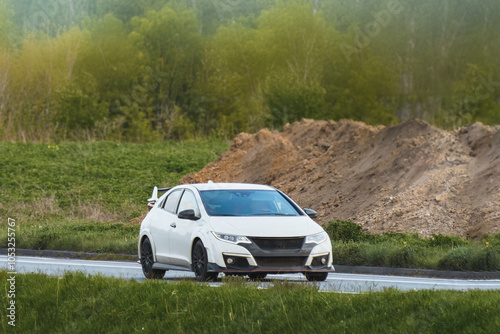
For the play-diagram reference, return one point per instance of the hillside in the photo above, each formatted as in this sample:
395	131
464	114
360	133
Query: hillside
407	178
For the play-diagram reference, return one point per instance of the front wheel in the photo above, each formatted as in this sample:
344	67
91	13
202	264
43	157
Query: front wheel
200	263
147	261
318	277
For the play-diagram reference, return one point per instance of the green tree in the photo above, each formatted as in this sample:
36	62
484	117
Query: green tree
106	67
171	46
40	68
297	39
234	70
109	57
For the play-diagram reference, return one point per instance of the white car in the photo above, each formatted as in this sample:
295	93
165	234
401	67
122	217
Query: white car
231	228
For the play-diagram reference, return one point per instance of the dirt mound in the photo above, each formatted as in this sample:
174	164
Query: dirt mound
407	178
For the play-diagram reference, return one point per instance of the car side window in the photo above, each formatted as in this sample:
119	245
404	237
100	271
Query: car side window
188	202
162	203
172	201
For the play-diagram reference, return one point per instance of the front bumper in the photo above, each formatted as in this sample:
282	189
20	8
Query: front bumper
252	258
212	267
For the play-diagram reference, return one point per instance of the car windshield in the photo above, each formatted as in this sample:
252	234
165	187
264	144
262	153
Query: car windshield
247	203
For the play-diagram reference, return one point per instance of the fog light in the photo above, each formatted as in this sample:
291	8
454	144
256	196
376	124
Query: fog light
230	260
323	260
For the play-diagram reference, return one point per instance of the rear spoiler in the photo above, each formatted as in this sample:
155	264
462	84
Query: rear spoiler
154	196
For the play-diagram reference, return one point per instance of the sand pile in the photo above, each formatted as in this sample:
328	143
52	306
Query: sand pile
407	178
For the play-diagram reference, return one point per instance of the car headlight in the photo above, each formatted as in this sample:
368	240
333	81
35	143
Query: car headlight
234	239
316	238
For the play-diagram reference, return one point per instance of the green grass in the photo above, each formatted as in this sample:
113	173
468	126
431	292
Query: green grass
88	196
352	246
76	303
80	235
81	195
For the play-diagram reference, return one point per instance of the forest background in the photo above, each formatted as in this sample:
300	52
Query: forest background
149	70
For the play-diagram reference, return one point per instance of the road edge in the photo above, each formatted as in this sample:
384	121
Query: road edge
73	254
344	269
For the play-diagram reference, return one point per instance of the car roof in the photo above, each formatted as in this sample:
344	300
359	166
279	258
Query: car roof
230	186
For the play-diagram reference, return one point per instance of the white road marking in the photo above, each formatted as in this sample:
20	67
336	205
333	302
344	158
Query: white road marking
419	281
74	263
352	283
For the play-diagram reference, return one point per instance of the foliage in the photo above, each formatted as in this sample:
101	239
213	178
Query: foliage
447	240
342	230
402	257
353	246
176	69
78	109
463	258
350	253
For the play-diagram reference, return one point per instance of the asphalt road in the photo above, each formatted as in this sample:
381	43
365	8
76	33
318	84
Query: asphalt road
336	282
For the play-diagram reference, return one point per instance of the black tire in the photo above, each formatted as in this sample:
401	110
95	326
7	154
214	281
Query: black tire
257	276
234	274
317	277
200	263
147	261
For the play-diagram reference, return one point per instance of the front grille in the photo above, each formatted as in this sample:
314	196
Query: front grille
278	243
282	261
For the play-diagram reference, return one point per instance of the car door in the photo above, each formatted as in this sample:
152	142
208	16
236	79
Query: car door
162	226
180	236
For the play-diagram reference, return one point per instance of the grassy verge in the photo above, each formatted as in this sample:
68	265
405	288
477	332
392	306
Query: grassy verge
93	304
82	196
86	196
79	235
352	246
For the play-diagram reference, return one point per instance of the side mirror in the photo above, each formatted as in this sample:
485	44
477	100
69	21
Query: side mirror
188	214
311	213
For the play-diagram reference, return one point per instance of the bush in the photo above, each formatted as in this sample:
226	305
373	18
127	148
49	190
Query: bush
493	240
377	255
447	240
456	259
289	101
352	246
478	259
484	259
349	253
79	109
342	230
402	257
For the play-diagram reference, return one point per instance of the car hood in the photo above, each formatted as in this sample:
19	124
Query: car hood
265	226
